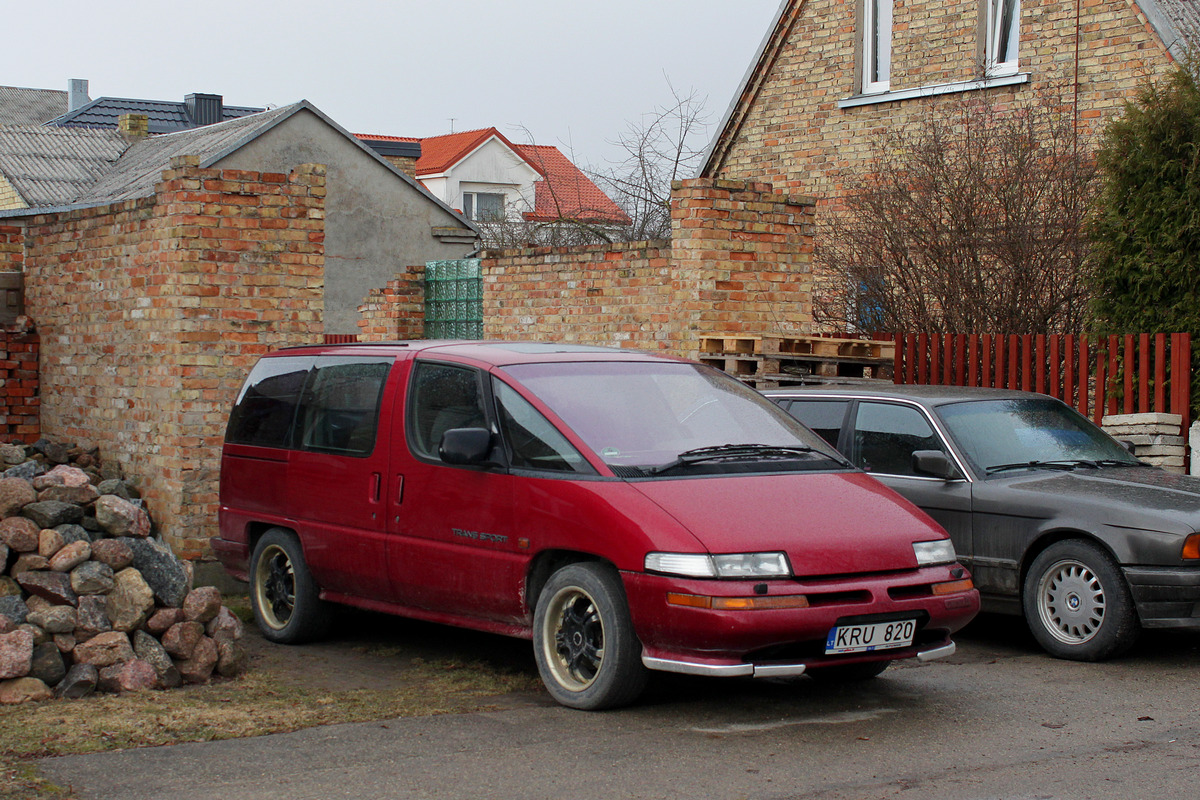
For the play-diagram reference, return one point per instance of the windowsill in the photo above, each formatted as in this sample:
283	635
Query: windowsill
933	90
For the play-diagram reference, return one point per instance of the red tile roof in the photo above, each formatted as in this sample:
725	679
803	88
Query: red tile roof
567	193
564	193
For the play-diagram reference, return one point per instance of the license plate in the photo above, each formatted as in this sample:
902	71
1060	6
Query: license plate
865	638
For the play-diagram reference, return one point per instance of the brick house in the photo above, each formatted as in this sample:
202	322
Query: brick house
831	75
157	268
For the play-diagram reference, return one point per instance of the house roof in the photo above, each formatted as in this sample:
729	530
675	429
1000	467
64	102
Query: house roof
166	116
1177	23
53	166
566	193
132	171
440	153
405	146
141	166
20	106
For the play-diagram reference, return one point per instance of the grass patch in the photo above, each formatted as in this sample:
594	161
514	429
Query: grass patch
257	703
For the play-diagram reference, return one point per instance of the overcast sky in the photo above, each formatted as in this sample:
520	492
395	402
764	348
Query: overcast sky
562	72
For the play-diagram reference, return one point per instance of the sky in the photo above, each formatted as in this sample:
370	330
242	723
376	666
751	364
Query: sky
570	73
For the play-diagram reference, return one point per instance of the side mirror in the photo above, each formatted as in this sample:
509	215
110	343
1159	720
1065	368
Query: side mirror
935	463
466	447
1128	445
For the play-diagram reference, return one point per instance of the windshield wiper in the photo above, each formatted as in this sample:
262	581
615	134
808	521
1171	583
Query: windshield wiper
733	452
1060	463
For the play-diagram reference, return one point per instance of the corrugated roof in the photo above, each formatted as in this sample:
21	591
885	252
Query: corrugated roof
53	166
140	168
1177	23
566	193
20	106
165	116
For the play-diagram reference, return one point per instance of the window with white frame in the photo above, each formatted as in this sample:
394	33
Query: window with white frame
1003	34
483	206
877	46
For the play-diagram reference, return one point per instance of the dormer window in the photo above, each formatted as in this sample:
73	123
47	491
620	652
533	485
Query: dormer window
877	46
1002	37
483	206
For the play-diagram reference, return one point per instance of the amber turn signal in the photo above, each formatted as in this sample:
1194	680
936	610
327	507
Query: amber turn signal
1191	547
737	603
953	587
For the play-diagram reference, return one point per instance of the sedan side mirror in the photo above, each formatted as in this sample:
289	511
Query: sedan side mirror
935	463
466	447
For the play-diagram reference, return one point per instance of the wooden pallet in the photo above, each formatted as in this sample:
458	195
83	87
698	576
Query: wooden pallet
740	345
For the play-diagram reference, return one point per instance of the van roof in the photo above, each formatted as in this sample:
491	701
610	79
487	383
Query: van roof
496	353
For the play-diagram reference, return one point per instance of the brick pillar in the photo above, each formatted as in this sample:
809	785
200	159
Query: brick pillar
741	258
19	419
395	312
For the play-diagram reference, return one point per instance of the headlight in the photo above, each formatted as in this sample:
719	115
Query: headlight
725	565
930	553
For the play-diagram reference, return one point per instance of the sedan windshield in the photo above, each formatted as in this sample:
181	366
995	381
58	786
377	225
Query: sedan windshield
1006	435
654	418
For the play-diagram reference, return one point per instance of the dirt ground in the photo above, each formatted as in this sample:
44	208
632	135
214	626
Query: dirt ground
375	651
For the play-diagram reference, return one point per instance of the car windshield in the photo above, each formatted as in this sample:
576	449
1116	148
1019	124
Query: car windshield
659	418
1003	435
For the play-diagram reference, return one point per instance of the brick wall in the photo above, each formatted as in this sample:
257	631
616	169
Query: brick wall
151	312
12	247
789	130
9	199
19	399
738	261
395	312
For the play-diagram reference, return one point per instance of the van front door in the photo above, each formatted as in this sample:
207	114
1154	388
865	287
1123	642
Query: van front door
453	550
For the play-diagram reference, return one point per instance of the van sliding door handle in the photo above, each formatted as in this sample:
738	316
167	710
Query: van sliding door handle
376	484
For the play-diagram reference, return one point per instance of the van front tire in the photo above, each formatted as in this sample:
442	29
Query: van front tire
583	640
284	596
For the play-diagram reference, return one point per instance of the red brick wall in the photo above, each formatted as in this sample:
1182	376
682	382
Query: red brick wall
12	240
395	312
737	262
19	385
151	312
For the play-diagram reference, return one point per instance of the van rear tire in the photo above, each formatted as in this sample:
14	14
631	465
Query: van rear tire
286	600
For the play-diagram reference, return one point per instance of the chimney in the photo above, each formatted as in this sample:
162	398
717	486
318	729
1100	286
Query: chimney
77	93
133	127
205	109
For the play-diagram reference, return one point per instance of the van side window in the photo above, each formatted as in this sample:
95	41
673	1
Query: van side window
533	443
266	408
340	409
442	398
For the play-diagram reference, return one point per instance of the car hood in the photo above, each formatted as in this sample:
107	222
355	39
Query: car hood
1129	497
827	523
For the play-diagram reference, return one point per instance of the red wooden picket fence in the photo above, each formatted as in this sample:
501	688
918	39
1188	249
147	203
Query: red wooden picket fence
340	338
1126	374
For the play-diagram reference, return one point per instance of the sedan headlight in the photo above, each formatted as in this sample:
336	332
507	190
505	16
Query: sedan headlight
930	553
724	565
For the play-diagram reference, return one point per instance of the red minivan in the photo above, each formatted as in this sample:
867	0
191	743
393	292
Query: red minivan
626	511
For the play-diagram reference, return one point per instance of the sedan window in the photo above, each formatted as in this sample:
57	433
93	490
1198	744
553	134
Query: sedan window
822	417
886	435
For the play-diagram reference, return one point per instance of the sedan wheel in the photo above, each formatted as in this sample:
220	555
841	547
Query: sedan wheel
1077	603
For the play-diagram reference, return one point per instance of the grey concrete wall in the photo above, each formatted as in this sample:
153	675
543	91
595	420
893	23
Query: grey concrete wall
377	223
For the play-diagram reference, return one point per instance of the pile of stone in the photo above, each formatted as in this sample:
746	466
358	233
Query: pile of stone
90	599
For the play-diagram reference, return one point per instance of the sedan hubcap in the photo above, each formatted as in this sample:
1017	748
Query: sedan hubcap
1071	602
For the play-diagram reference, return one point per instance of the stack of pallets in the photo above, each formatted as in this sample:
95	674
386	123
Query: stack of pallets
768	362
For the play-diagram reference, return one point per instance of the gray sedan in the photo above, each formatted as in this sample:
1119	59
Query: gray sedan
1056	519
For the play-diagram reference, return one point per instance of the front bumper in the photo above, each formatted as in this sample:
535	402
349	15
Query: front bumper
781	642
1165	597
788	670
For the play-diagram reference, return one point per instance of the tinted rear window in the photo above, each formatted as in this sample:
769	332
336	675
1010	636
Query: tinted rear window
321	403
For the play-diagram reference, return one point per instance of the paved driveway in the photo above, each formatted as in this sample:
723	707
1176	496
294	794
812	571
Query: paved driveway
998	720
